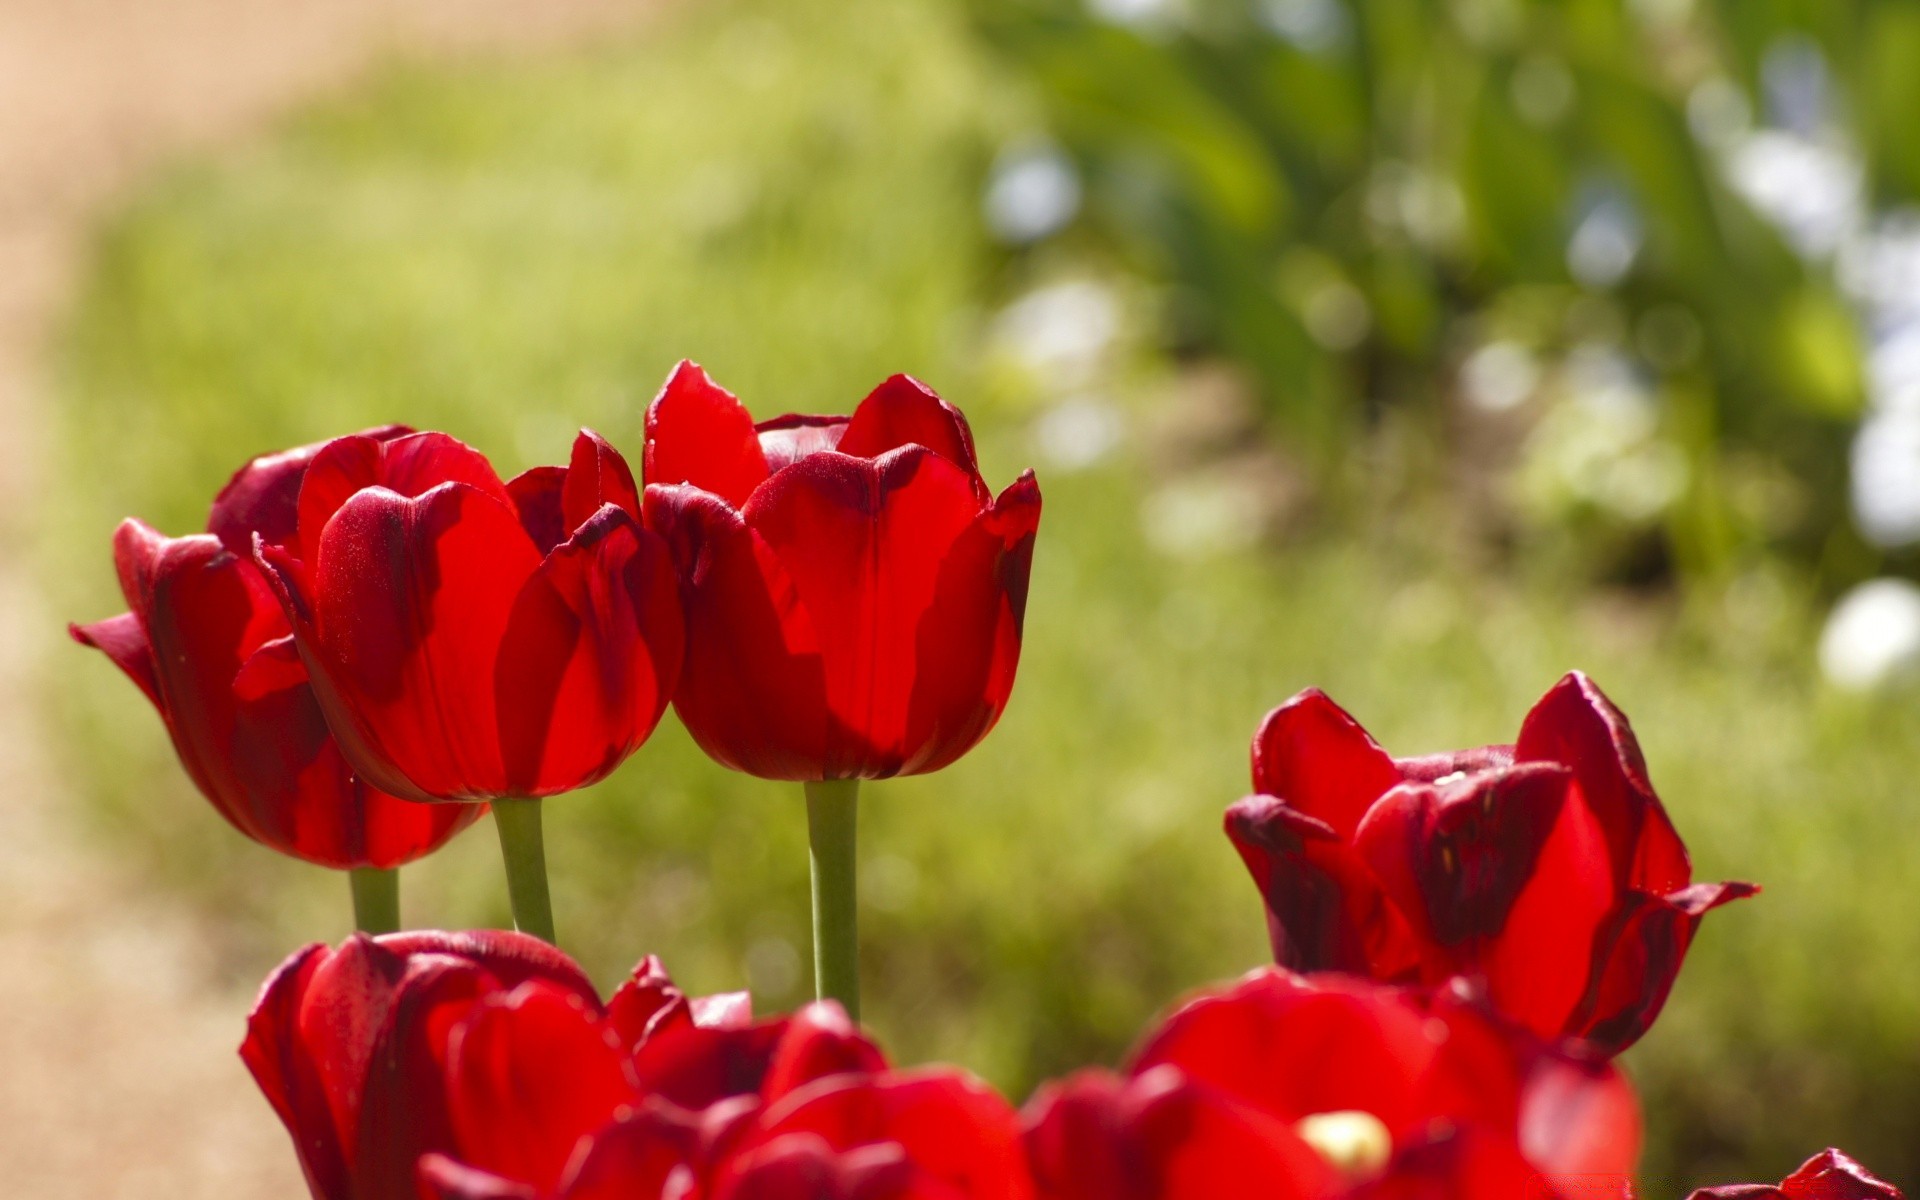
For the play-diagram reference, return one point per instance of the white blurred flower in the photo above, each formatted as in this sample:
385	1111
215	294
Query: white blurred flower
1886	477
1605	241
1872	637
1062	331
1146	15
1032	193
1078	432
1312	26
1499	376
1811	189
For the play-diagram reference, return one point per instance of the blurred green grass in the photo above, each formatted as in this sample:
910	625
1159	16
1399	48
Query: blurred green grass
787	193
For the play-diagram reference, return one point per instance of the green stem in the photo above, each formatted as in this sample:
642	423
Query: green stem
832	817
376	899
524	850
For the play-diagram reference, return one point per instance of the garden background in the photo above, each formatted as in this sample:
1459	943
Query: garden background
1418	351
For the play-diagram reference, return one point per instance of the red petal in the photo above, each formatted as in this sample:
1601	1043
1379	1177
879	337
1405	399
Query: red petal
123	640
951	1126
263	496
698	433
636	1155
1541	964
787	439
279	1062
865	543
1325	909
589	657
1576	725
529	1075
1311	754
137	548
819	1041
597	476
411	598
412	465
752	692
1636	958
1580	1120
641	997
536	496
696	1066
1348	1045
1454	858
1831	1175
905	412
1204	1146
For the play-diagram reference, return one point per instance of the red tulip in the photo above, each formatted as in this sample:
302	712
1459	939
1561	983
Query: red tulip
208	644
1829	1175
547	1098
1547	870
472	639
854	591
1284	1087
348	1044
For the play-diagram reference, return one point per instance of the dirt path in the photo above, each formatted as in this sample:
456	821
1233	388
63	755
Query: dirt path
118	1077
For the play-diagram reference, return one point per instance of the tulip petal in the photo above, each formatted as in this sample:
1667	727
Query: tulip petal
123	640
635	1155
952	1127
410	466
753	690
1575	724
277	1059
589	656
1204	1146
967	648
696	1066
1831	1175
1541	964
1454	858
263	496
597	476
787	439
536	496
1311	754
1637	956
1325	909
905	412
865	543
1348	1045
529	1074
819	1041
410	601
699	433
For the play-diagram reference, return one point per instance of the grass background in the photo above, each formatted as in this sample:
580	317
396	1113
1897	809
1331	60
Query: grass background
788	193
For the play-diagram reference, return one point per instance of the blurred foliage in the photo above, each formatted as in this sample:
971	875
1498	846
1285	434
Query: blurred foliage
787	192
1355	199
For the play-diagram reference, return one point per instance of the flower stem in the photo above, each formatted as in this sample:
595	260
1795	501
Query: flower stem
832	815
524	850
376	899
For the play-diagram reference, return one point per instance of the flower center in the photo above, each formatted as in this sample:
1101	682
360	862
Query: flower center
1356	1143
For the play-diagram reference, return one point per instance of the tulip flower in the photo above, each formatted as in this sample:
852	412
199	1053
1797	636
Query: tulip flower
1546	870
1290	1088
347	1045
207	643
471	639
854	595
1829	1175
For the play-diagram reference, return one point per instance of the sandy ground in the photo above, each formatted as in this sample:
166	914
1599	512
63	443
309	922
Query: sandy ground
118	1076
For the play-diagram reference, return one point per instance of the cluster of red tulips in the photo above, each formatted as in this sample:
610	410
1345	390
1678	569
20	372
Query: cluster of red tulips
377	638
